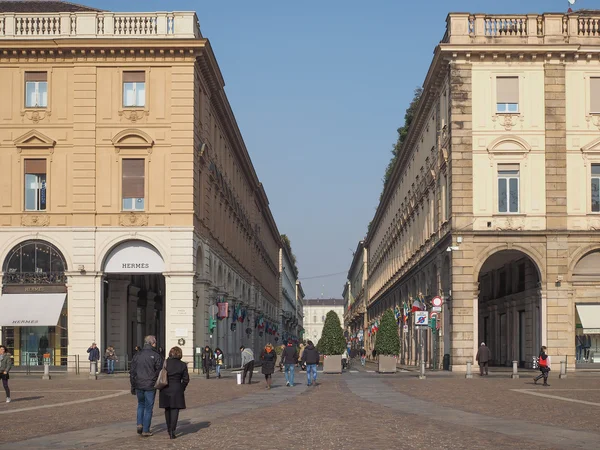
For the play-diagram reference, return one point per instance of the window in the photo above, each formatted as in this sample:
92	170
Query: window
35	185
36	89
508	188
133	185
507	95
595	187
595	95
134	89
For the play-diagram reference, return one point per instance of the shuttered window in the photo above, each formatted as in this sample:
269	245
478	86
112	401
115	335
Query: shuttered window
134	89
133	184
507	94
595	95
36	89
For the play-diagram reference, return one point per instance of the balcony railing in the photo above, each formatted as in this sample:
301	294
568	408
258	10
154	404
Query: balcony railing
552	28
99	25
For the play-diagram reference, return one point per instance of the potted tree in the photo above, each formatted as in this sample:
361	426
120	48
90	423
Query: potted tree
387	343
332	344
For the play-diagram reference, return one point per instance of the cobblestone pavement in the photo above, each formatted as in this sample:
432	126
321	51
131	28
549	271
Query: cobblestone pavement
353	410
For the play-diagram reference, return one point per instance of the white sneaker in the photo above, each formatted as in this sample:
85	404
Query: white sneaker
287	384
7	399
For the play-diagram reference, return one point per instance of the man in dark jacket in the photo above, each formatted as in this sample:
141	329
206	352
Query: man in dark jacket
145	368
94	357
289	356
483	358
311	357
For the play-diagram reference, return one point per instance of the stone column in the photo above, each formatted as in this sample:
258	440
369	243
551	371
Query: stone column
179	305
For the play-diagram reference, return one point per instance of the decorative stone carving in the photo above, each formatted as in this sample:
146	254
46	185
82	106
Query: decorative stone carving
36	116
508	121
594	120
133	220
28	220
133	114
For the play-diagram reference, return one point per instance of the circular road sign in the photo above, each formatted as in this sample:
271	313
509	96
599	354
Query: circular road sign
437	301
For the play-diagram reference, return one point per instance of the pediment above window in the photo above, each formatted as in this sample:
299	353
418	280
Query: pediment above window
34	139
592	147
509	144
132	139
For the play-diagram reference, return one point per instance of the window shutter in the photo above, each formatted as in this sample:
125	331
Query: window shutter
595	95
134	77
36	76
508	167
133	178
35	166
507	89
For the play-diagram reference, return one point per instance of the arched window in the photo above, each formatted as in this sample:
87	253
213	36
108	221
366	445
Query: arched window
34	262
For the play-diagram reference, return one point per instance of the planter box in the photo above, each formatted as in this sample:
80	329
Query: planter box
387	364
332	364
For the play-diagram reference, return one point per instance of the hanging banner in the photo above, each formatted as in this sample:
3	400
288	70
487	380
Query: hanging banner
223	310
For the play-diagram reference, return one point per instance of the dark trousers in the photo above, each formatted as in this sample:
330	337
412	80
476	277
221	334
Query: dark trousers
248	369
171	417
6	388
206	370
483	365
544	374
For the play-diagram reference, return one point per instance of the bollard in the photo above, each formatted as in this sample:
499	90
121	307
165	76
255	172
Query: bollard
469	370
515	373
563	370
422	371
93	375
46	375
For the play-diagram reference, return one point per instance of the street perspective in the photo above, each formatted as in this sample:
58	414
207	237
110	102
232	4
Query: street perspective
313	225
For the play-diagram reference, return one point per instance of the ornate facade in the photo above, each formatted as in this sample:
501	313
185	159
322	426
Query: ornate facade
493	204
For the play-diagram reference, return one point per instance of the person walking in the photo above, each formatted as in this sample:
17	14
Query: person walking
268	358
145	368
93	357
289	358
247	364
218	361
5	366
544	365
207	358
301	364
172	397
311	358
484	355
363	356
110	356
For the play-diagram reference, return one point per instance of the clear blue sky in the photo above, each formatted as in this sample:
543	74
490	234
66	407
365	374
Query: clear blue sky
318	89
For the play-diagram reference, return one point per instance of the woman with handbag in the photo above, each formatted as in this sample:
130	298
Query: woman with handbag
268	358
5	366
172	397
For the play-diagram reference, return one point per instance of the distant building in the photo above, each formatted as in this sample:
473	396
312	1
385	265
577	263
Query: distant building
315	311
355	297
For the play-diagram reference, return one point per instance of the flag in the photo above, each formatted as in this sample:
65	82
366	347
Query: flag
405	311
417	305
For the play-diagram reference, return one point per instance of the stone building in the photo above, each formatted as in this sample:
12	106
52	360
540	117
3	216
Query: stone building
493	203
291	295
354	295
315	311
128	202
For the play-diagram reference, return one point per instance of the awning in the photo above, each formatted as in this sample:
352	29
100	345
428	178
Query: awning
31	310
590	318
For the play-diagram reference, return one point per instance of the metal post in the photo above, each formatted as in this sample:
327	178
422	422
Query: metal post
422	355
93	367
563	370
469	370
515	372
46	375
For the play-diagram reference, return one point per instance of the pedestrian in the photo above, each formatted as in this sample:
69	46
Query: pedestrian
93	357
145	368
172	397
207	358
544	365
137	350
301	364
311	358
587	344
161	352
484	355
363	356
247	363
345	359
280	350
218	361
580	342
5	366
110	356
268	358
289	357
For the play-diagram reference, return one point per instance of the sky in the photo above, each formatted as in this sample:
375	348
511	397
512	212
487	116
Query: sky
318	89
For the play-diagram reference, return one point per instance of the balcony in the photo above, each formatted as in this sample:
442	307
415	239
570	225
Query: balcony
156	25
580	27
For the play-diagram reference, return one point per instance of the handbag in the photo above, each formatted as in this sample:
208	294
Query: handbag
163	380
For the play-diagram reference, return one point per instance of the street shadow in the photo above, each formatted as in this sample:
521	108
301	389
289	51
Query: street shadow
191	429
26	399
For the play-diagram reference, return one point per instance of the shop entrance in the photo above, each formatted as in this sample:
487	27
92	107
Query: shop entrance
133	299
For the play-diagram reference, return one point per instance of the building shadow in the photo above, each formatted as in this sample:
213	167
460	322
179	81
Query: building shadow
192	429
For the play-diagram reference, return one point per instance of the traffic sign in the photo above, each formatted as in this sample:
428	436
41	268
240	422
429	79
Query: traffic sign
436	308
434	315
421	318
437	301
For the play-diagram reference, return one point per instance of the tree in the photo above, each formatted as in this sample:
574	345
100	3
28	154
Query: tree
332	340
387	341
